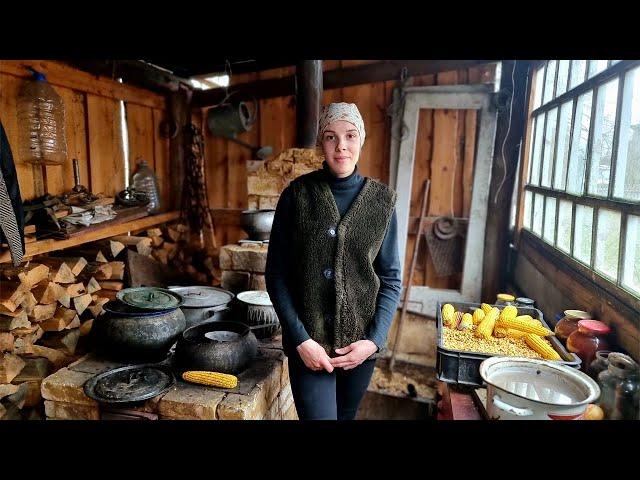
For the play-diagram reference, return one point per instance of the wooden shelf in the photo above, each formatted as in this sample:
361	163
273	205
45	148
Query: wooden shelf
44	246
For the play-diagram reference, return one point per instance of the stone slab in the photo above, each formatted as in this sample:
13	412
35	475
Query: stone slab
66	386
190	402
70	411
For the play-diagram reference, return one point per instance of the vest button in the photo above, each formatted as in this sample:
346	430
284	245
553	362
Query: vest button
332	231
328	273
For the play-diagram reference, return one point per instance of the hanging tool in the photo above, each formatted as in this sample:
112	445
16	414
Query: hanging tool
405	300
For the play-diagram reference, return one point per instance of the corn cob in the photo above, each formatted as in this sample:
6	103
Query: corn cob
457	318
447	314
466	322
214	379
500	332
538	344
528	325
508	312
485	328
486	308
478	315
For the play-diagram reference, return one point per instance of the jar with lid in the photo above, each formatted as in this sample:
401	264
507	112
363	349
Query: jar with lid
620	388
504	299
145	180
569	323
525	302
589	338
600	364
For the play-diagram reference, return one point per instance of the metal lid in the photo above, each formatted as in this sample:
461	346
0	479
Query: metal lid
594	326
150	298
506	297
199	297
255	297
132	383
525	301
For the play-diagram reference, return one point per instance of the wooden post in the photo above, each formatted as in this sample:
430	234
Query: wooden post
308	98
496	245
179	112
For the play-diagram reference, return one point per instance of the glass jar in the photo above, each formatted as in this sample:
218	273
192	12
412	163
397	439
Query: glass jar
589	338
620	388
569	323
145	180
525	302
504	299
600	364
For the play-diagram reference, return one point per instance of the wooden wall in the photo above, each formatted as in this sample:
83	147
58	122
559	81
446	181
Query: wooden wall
93	128
438	132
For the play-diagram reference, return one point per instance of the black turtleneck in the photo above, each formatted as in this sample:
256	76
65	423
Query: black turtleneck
280	264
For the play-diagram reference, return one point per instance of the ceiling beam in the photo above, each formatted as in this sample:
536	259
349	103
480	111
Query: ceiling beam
343	77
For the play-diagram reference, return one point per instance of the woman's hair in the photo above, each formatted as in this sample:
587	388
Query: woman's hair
340	111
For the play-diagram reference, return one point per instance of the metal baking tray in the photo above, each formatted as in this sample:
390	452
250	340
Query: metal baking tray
463	367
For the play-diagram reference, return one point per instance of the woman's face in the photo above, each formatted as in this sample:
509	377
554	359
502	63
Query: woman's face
341	146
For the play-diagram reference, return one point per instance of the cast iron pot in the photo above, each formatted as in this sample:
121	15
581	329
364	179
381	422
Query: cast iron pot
127	333
203	303
225	347
257	223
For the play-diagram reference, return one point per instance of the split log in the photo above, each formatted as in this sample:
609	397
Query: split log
81	303
142	244
63	318
75	323
107	249
111	285
93	285
11	295
7	389
24	343
62	274
29	302
16	398
117	270
110	294
100	271
6	342
28	275
42	312
57	358
76	289
161	255
142	270
156	241
154	232
76	264
51	293
170	248
65	341
173	234
35	369
97	308
17	319
85	328
10	366
100	258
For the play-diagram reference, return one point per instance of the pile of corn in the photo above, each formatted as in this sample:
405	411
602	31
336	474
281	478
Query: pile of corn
498	332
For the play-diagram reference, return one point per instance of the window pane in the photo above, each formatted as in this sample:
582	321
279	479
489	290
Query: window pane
549	81
582	236
549	147
563	77
550	219
534	178
631	276
578	158
538	205
527	209
578	68
627	181
603	126
537	95
608	243
564	135
564	226
596	66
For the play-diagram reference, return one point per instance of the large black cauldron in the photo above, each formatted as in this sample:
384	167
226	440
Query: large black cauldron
223	346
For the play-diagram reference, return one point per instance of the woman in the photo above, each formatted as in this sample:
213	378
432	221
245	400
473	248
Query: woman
333	272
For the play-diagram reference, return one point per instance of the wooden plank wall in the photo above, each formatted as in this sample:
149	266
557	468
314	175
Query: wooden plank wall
438	133
93	121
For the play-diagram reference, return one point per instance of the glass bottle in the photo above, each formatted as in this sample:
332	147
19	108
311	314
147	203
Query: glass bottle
145	180
589	338
620	388
569	323
600	364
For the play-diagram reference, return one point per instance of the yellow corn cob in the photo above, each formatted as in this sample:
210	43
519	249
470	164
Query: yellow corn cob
500	332
538	344
457	318
485	328
478	315
214	379
508	312
447	314
466	322
486	308
528	325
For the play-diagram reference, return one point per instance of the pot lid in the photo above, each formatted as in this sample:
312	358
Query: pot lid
120	309
132	383
150	298
255	297
594	326
525	300
199	297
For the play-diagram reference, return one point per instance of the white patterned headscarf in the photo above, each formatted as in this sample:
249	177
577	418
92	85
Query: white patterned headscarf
340	111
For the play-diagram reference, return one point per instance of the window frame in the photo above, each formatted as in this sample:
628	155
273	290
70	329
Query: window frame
614	70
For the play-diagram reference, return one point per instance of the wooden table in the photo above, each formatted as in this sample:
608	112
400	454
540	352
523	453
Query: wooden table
461	403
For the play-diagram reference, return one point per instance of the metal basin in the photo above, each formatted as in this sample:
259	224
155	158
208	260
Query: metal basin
257	223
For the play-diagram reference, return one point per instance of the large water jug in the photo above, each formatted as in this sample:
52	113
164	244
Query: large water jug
42	137
145	180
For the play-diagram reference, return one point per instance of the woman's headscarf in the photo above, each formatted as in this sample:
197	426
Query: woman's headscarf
340	111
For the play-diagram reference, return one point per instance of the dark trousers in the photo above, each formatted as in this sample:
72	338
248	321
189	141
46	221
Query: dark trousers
328	396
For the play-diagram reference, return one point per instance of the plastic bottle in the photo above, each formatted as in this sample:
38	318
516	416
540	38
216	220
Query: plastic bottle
40	111
145	180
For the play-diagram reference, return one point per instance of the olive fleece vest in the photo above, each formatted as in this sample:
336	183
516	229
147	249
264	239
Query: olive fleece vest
336	287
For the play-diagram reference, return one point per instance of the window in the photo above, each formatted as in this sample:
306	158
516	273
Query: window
582	195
